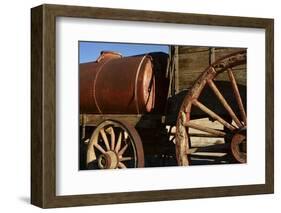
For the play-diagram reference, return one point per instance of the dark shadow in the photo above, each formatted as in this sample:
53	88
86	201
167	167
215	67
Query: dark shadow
209	99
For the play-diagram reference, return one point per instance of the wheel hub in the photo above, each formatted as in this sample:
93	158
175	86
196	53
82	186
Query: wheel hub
108	160
239	147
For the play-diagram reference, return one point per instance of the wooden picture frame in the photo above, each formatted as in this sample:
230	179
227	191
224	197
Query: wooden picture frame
43	105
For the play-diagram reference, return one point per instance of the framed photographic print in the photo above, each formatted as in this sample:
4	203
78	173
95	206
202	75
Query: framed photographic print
135	106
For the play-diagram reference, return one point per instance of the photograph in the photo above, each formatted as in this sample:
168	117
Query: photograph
136	105
157	105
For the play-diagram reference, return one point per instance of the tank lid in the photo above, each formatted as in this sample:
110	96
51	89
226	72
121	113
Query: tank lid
105	55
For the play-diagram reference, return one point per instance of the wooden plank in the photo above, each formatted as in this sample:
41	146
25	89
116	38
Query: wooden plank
176	69
138	120
239	73
222	51
194	60
95	119
192	49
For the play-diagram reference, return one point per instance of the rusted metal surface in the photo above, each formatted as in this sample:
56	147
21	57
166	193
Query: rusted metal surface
118	85
207	78
105	55
115	145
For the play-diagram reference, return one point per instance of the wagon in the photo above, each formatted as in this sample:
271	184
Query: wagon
161	109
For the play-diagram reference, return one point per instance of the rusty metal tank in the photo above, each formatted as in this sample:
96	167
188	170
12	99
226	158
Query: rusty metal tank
117	85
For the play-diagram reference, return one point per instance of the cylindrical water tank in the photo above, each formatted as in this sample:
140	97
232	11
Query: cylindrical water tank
117	85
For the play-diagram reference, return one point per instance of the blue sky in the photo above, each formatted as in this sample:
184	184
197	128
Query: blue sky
89	51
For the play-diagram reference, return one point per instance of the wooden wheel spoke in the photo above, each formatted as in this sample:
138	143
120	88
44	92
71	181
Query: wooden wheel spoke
114	145
172	139
213	114
105	140
205	129
200	139
224	103
99	148
126	136
121	165
91	155
110	131
118	145
237	95
125	158
123	150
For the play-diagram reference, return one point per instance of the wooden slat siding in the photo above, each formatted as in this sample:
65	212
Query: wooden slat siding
239	72
222	51
194	60
240	76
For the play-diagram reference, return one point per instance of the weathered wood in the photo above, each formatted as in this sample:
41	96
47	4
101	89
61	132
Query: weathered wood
194	60
141	121
176	69
192	49
222	51
212	53
202	135
205	129
237	96
213	114
224	102
95	119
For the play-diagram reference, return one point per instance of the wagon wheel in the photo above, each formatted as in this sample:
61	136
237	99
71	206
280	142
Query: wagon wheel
234	131
115	145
